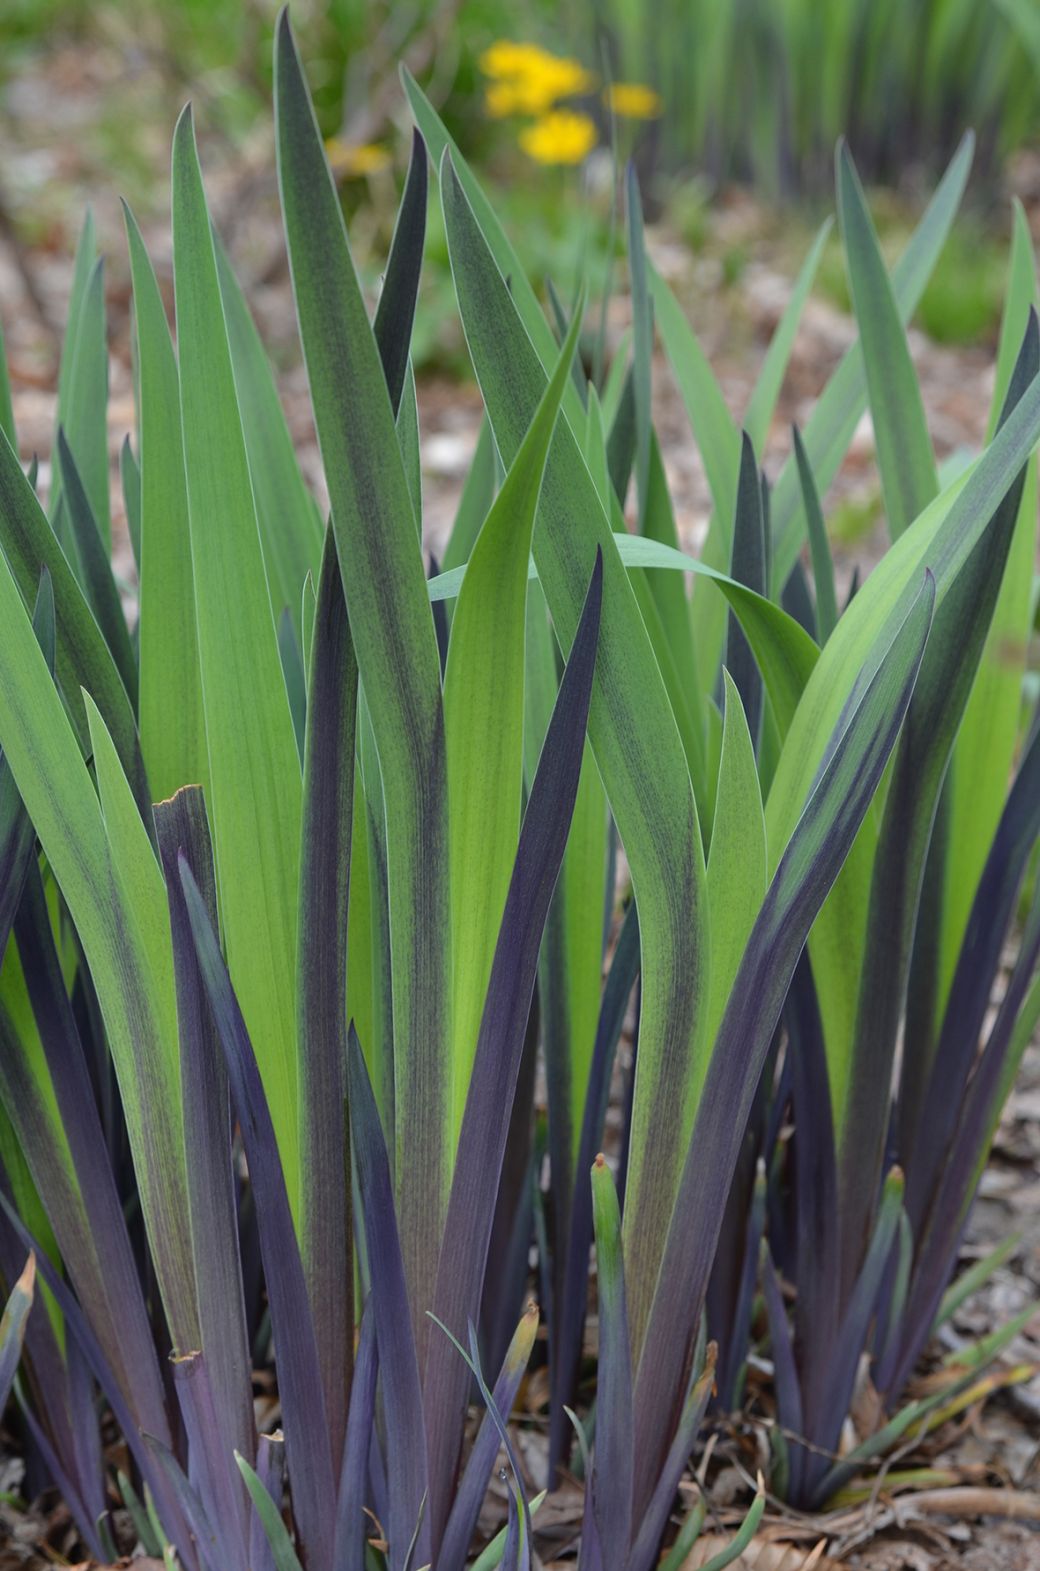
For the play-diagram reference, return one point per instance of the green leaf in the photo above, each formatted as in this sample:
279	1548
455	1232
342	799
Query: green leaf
83	657
284	1557
290	524
83	382
785	652
989	733
737	860
716	431
674	614
525	301
830	428
819	545
173	725
478	493
98	581
254	768
941	539
643	765
484	721
13	1322
395	643
904	450
114	908
759	413
130	481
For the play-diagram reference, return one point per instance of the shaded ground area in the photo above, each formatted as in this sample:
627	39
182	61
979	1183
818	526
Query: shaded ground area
55	161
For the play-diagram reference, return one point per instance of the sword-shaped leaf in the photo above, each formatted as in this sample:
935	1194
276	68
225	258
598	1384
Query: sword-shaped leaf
12	1327
290	523
484	721
398	1361
737	860
439	141
833	422
572	1297
911	820
941	539
904	450
472	1488
353	1480
396	648
130	483
108	904
17	836
98	581
299	1373
83	386
989	733
173	726
833	811
819	545
254	770
643	768
485	1122
748	566
325	871
181	826
395	312
284	1556
83	659
613	1459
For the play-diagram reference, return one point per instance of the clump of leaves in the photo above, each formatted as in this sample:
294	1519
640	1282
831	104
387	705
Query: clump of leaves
303	875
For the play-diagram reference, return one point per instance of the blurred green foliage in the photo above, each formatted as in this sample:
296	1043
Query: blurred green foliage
761	89
753	90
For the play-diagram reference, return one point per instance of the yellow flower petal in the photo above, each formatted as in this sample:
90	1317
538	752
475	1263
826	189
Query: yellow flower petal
507	58
351	162
561	137
528	79
633	100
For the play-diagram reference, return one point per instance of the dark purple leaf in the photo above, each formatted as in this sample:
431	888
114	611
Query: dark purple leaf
396	309
321	971
361	1418
748	567
102	1265
913	817
401	1389
211	1463
182	829
845	787
299	1372
270	1470
472	1489
785	1378
478	1164
167	1499
570	1320
647	1541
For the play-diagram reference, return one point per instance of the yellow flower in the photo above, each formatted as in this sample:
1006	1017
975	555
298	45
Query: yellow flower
633	100
506	58
561	137
528	80
515	98
349	163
